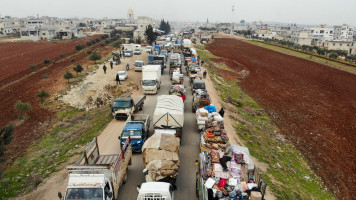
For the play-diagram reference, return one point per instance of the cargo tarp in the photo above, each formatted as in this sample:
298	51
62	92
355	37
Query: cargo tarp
162	141
169	112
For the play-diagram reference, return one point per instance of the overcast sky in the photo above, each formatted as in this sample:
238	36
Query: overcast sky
332	12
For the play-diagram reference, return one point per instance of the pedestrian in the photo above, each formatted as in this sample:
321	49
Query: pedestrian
111	64
104	68
222	112
123	55
204	74
202	62
117	78
227	156
198	58
127	66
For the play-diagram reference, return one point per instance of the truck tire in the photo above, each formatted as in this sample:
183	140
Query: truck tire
193	109
197	184
125	178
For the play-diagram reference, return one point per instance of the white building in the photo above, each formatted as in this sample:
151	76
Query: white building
301	38
322	32
266	33
343	33
142	23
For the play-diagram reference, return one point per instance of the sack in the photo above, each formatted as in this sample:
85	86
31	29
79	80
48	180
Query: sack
218	118
215	114
201	118
222	183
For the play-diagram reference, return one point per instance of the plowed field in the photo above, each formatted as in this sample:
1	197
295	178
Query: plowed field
312	104
19	82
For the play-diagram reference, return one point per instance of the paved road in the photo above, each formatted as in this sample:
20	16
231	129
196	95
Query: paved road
188	152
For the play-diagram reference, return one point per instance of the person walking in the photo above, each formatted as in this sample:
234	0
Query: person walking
204	74
127	67
202	62
227	156
123	55
222	112
117	78
104	68
111	64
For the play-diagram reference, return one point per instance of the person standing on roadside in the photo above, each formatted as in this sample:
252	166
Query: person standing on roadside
117	79
204	74
111	64
104	68
222	112
202	62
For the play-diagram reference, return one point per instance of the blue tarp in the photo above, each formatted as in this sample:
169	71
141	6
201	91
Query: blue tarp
210	108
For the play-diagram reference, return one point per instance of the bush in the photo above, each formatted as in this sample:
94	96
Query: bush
46	61
22	108
78	69
73	60
117	44
68	76
79	47
95	56
333	56
6	137
33	66
43	95
89	52
97	39
61	55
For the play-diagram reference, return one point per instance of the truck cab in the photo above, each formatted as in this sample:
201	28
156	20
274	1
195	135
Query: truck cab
124	106
138	65
88	186
155	190
137	128
198	84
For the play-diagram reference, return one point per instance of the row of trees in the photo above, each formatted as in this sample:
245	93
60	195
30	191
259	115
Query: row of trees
333	54
165	26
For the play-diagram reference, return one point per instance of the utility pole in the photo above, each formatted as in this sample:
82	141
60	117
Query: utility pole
232	20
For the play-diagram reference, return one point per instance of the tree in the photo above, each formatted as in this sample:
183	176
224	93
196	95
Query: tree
79	47
95	56
150	35
45	61
22	108
117	44
43	95
78	69
6	136
33	66
333	56
165	26
68	76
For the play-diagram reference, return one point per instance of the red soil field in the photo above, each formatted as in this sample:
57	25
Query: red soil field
20	83
313	105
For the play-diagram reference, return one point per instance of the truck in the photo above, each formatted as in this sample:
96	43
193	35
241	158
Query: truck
198	84
137	128
161	163
126	105
169	114
200	99
96	176
175	61
138	66
159	60
151	79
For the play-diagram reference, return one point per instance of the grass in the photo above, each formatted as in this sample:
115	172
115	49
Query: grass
305	56
73	129
288	175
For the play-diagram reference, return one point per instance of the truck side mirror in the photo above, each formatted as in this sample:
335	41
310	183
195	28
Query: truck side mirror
110	194
138	188
60	195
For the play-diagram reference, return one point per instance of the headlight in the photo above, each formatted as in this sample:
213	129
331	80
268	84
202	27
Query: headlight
139	142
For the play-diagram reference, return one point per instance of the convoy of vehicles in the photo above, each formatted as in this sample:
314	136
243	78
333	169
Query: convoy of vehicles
96	176
124	106
151	79
99	177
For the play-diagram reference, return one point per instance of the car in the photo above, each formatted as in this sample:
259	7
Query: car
137	51
138	65
122	75
149	49
128	53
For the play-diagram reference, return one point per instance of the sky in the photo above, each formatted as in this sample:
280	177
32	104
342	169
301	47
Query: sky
313	12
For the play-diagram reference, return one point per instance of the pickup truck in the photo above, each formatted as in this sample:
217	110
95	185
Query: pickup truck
137	128
198	84
124	106
96	176
138	66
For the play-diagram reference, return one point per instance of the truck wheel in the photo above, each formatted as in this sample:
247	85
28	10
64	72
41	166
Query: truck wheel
141	108
197	184
194	110
125	178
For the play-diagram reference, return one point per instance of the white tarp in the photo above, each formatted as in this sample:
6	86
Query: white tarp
187	43
169	112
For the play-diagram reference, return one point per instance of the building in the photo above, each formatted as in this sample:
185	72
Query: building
301	38
343	33
322	32
339	45
142	23
266	33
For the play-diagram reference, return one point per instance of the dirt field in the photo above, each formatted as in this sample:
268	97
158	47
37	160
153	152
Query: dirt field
313	105
21	83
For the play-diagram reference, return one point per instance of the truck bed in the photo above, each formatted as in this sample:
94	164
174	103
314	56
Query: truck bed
107	159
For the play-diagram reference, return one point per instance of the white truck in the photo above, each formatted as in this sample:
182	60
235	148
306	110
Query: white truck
151	79
161	162
96	176
169	114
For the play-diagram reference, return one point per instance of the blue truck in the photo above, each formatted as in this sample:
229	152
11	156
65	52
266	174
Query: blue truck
137	128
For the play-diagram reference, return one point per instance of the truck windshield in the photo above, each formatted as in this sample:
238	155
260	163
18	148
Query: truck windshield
149	82
84	193
135	134
138	64
121	104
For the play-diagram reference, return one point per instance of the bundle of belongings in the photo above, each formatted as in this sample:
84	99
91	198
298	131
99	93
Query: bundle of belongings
160	156
178	90
177	77
209	119
237	182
